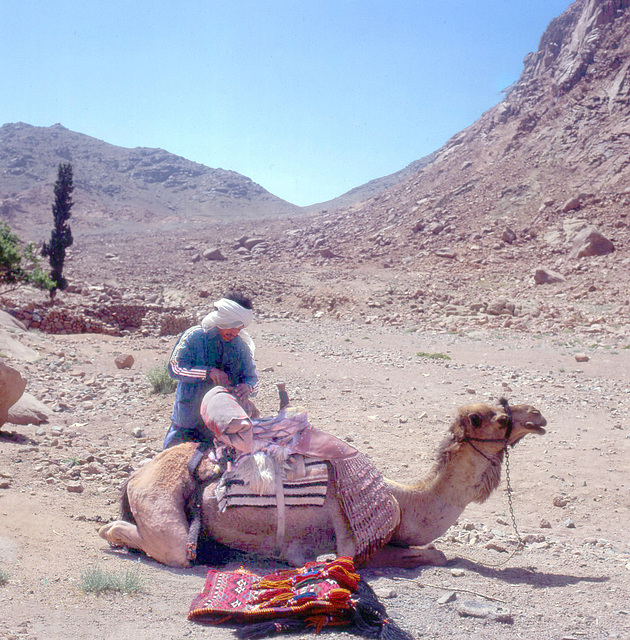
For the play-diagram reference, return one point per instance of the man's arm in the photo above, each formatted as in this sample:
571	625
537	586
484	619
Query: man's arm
182	365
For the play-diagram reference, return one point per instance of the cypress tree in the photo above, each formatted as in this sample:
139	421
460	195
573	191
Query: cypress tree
61	236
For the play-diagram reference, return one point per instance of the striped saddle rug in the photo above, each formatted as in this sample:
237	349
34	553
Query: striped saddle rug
304	484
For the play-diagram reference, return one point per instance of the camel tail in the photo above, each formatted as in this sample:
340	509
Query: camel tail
125	508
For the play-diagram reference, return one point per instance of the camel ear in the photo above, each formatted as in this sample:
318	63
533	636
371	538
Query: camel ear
503	420
475	420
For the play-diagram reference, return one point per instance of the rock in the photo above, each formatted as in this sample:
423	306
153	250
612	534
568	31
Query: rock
327	253
9	346
560	501
213	254
508	235
581	357
124	361
29	410
478	609
137	432
590	242
449	596
385	593
446	253
196	257
545	524
250	243
547	276
569	524
12	386
571	205
75	487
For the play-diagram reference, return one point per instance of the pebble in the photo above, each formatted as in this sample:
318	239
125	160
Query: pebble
450	596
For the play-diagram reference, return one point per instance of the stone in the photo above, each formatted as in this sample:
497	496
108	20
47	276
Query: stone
124	361
449	596
590	242
571	205
547	276
213	254
385	593
560	501
12	386
137	432
29	410
74	487
581	357
508	236
478	609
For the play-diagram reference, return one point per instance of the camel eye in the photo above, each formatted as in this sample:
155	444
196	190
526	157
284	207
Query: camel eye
475	420
503	421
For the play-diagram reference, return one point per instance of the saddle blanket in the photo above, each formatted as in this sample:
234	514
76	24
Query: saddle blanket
307	491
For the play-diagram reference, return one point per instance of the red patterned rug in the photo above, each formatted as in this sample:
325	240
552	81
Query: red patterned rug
318	595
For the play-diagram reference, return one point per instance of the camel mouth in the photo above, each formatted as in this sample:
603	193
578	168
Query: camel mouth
530	427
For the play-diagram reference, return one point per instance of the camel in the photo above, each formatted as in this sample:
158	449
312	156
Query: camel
467	469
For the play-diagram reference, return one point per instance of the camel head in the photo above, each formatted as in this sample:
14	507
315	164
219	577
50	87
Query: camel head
504	425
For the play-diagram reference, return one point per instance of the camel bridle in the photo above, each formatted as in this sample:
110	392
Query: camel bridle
505	439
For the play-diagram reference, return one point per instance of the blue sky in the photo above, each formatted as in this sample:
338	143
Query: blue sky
307	98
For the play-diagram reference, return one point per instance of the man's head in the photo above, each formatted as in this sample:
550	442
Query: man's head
230	316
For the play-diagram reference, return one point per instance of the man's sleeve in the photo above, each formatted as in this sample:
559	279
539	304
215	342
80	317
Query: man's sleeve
182	365
248	371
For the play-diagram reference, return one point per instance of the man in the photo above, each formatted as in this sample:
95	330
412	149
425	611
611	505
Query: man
217	352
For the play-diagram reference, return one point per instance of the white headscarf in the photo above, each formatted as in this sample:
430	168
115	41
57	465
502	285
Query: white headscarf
229	315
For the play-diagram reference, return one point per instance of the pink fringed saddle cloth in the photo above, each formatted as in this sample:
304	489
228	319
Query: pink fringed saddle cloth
318	595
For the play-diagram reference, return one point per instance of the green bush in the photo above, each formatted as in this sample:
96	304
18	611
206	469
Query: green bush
160	380
4	577
95	580
14	256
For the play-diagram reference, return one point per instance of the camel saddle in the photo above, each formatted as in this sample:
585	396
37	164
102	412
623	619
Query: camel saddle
290	464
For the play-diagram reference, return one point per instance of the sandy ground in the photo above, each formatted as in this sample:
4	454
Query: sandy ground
368	385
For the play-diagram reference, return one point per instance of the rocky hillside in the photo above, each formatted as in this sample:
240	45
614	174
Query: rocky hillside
520	222
117	186
554	148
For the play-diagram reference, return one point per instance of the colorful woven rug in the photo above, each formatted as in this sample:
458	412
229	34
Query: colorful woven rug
318	595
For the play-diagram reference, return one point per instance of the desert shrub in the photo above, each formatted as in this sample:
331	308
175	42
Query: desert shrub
19	263
4	577
433	356
160	380
95	580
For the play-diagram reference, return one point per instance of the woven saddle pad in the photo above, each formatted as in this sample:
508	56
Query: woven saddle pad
309	490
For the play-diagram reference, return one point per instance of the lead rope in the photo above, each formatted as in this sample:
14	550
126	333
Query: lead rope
520	543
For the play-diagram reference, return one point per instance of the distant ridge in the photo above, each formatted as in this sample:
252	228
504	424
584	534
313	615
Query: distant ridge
116	185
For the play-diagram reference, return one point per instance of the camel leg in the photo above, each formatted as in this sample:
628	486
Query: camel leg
407	557
165	542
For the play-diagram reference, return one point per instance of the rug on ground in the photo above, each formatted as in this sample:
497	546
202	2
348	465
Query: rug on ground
317	595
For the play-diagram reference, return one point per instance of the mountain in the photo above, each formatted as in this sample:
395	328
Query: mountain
115	186
556	147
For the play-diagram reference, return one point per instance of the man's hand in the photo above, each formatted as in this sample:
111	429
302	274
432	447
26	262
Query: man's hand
242	391
219	377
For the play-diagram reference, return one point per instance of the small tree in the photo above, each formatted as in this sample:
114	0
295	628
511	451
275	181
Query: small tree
61	236
19	263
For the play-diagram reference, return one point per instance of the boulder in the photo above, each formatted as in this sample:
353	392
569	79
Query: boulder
29	410
12	386
590	242
124	361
